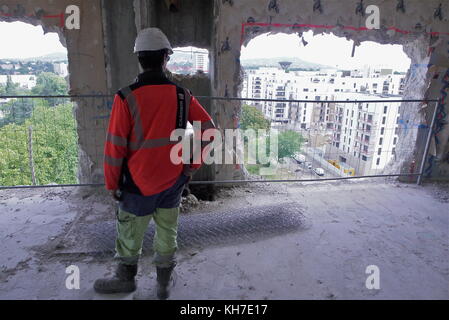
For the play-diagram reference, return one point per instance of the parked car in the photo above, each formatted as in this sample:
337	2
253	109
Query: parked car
319	171
300	158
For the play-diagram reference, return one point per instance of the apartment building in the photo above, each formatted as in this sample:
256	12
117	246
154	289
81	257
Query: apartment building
61	69
24	81
365	134
275	83
362	136
201	61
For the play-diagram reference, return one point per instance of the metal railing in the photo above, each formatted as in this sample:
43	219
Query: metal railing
39	139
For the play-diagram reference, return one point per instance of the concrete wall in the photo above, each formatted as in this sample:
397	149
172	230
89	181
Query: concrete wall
120	33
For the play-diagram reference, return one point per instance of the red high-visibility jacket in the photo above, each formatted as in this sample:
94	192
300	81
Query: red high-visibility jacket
137	148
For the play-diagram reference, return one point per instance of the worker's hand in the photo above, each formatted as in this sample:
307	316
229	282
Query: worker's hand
116	194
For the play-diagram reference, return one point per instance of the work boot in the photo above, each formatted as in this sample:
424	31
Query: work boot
165	281
122	282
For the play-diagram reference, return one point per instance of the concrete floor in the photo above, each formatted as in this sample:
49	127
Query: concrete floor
344	227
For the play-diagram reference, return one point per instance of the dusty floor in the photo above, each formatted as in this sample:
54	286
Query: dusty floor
333	232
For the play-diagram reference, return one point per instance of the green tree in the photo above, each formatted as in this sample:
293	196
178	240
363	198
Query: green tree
54	144
50	84
18	110
289	143
252	118
11	88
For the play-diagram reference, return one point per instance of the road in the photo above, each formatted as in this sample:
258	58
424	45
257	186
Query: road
305	173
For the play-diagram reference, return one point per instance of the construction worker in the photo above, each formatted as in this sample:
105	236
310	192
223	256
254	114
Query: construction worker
139	172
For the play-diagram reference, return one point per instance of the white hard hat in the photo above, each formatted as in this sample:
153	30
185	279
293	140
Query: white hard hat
152	39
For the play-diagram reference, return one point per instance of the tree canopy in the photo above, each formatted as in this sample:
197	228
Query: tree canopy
252	118
54	145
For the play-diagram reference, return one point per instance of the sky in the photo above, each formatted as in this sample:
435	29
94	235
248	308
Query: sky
21	40
327	49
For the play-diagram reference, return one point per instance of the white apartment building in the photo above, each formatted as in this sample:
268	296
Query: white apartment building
365	134
362	136
275	83
61	69
201	61
25	81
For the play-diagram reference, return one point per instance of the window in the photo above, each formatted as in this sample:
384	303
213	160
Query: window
381	140
379	152
384	119
364	158
395	140
378	161
382	130
385	109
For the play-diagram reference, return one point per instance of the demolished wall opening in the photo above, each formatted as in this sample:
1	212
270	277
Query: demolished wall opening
38	135
189	61
334	136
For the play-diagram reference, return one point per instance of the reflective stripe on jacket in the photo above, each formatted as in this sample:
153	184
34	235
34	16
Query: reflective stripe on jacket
137	148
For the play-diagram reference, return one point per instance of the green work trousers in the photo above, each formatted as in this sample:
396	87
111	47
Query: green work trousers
131	230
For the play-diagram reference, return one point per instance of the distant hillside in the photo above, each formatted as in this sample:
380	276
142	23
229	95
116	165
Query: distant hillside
57	56
274	62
